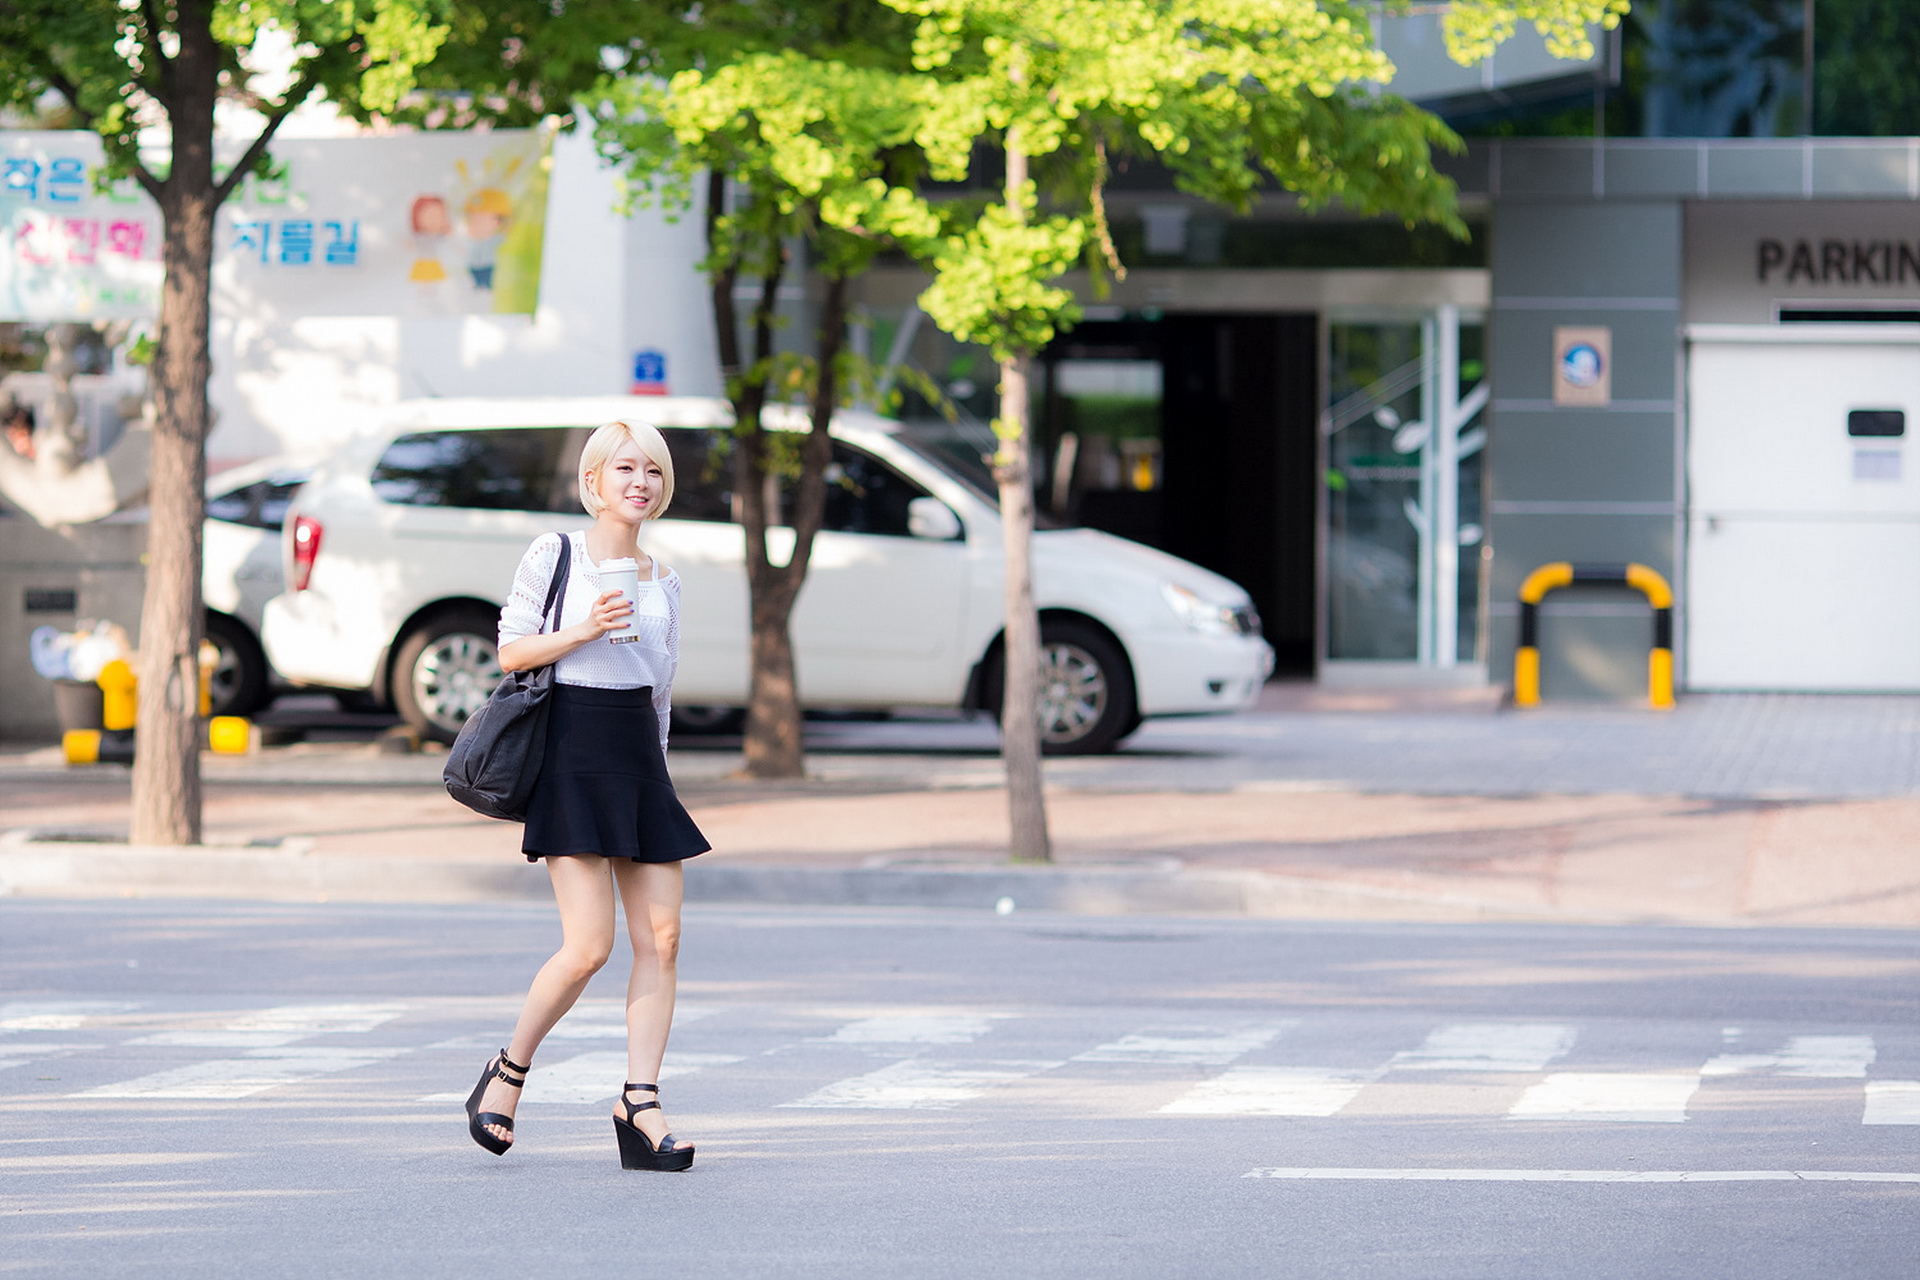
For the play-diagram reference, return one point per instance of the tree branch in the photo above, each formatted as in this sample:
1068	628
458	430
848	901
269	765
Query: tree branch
294	97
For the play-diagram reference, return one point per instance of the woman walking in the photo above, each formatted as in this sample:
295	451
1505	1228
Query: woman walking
604	814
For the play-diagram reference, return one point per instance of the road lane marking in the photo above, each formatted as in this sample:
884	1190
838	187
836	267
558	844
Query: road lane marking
226	1079
919	1084
1892	1102
588	1078
1272	1091
1641	1097
1585	1175
56	1015
1806	1057
1488	1046
918	1028
22	1054
277	1027
1198	1047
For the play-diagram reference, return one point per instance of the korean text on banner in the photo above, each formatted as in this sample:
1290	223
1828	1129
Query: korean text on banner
417	224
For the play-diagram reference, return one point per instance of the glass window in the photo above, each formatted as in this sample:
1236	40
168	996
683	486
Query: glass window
864	495
261	505
510	469
702	475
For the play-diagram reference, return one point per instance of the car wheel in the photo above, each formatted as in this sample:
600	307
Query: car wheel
1086	691
238	685
445	670
704	719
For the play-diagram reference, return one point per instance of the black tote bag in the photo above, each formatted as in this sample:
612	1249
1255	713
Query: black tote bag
493	763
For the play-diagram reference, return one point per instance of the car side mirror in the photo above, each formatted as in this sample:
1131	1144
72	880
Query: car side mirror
933	520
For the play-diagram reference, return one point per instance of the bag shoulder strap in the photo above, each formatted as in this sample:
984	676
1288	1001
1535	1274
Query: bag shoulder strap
559	583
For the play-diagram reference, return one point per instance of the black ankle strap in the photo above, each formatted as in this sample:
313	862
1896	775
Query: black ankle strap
508	1064
649	1088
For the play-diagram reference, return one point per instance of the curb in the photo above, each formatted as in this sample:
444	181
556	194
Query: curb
89	869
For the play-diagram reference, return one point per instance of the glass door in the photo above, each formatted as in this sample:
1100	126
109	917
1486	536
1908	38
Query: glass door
1404	474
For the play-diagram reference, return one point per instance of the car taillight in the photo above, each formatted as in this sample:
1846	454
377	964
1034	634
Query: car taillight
306	545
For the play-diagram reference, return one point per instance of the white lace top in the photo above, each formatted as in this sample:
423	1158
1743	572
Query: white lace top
599	664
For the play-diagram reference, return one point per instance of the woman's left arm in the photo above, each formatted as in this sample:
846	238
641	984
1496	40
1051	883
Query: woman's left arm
663	688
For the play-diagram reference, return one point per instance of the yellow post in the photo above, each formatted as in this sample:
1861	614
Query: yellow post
81	746
209	659
118	687
230	735
1526	677
1660	678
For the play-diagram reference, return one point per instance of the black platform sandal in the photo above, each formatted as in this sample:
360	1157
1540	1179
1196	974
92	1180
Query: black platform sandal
636	1151
478	1120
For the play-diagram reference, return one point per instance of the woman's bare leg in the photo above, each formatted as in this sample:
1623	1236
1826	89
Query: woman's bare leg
650	893
583	888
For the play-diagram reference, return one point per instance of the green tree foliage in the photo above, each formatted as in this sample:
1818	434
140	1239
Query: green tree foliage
1233	97
803	123
1864	56
123	67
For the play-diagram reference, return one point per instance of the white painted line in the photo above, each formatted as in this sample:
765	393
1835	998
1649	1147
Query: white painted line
1489	1046
318	1019
1828	1057
1892	1102
273	1028
1272	1091
1806	1057
568	1030
225	1079
1586	1175
1196	1047
918	1084
918	1028
37	1051
220	1038
593	1077
56	1015
1636	1097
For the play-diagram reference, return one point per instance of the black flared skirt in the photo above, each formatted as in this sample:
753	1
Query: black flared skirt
603	786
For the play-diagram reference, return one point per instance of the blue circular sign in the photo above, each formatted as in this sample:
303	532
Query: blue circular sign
1581	365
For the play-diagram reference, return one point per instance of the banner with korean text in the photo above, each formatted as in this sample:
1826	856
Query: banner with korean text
401	225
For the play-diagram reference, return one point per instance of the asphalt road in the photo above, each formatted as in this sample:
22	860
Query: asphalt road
198	1089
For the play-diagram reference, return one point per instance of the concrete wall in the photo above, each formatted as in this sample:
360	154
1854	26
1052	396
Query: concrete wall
1595	484
99	563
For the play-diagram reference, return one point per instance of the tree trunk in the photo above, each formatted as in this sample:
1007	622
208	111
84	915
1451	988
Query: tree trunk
1019	721
775	742
166	769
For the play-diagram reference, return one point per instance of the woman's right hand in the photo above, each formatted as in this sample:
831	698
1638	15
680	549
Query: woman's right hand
609	614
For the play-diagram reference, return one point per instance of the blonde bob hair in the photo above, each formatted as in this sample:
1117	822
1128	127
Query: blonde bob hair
605	442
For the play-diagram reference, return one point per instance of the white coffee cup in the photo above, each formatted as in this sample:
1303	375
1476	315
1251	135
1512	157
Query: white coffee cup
623	575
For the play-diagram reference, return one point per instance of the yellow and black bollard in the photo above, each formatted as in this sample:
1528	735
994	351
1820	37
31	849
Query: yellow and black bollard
1561	573
113	742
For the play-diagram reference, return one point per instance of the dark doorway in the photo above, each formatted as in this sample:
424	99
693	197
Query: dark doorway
1228	479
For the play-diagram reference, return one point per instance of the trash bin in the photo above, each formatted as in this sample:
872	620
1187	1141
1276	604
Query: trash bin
79	704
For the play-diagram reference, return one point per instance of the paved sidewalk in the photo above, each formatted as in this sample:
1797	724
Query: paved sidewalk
1756	809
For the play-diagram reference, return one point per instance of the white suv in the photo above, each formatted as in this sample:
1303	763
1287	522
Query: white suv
400	550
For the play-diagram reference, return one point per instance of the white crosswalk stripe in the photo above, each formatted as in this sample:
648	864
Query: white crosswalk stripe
1892	1102
224	1079
56	1015
1323	1066
1272	1091
918	1028
1643	1097
920	1084
1200	1047
1489	1046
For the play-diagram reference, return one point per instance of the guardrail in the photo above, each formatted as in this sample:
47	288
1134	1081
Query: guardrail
1562	573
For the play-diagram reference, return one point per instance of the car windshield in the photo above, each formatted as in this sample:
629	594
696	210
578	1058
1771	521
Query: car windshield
964	450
